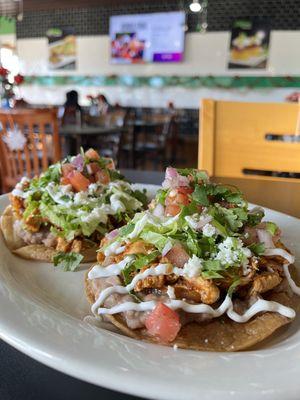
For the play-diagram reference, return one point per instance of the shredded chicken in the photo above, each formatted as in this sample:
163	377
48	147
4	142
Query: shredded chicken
17	206
155	282
76	246
138	247
197	289
265	282
151	282
271	265
62	245
34	221
177	256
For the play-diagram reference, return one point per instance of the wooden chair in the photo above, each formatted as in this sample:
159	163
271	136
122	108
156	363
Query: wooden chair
249	140
37	126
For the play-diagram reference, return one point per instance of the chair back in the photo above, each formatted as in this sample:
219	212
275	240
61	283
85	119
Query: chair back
249	140
29	142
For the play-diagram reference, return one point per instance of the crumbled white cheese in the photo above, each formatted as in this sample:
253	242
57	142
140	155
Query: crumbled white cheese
93	187
117	204
231	251
66	189
192	222
193	267
208	230
197	222
81	198
171	292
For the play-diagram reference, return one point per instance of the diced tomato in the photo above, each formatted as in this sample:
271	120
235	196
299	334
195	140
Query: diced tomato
163	323
66	169
102	177
111	164
92	154
64	181
172	210
175	200
177	256
93	167
78	181
185	190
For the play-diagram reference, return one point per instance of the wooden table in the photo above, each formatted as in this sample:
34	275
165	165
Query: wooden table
75	134
281	196
141	126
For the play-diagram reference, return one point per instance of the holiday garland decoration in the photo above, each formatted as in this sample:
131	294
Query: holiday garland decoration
193	82
8	82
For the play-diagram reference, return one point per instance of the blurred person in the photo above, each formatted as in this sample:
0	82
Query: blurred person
293	97
103	104
72	111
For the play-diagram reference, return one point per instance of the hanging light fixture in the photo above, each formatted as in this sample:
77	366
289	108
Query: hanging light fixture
195	6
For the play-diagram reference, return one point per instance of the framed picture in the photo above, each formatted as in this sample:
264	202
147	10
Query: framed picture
249	44
61	48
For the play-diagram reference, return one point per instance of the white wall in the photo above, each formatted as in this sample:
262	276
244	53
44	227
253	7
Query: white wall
205	54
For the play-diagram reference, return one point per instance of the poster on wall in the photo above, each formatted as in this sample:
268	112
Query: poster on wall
61	48
249	44
7	33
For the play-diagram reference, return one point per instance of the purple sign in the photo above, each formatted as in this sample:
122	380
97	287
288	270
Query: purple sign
167	57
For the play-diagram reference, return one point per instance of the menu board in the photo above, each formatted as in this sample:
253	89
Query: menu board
145	38
62	48
249	44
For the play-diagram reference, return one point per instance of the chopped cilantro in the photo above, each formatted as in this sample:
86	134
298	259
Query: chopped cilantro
200	195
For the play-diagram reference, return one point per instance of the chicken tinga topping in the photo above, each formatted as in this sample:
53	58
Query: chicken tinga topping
72	205
196	254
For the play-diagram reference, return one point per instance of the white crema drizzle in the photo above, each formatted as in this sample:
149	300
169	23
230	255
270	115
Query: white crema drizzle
166	269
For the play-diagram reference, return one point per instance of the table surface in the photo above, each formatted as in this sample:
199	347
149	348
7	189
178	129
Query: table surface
87	130
281	196
144	122
25	379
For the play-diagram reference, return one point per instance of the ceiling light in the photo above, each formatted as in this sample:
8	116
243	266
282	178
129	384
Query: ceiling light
195	6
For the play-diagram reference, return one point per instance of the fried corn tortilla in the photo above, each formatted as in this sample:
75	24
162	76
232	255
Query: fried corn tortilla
220	334
32	251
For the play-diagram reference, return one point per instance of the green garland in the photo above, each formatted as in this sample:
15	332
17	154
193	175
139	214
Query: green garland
193	82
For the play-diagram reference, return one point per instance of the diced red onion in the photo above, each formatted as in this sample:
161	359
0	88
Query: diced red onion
266	238
111	235
203	222
197	225
167	248
280	252
89	169
159	210
78	162
173	179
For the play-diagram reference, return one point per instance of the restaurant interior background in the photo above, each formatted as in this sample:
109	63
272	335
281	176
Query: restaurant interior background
145	114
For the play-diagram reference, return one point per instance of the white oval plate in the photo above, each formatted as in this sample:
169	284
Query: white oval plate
42	311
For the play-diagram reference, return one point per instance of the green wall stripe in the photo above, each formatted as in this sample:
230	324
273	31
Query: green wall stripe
226	82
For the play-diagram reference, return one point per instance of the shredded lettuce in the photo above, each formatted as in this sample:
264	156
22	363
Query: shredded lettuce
67	261
271	227
257	248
